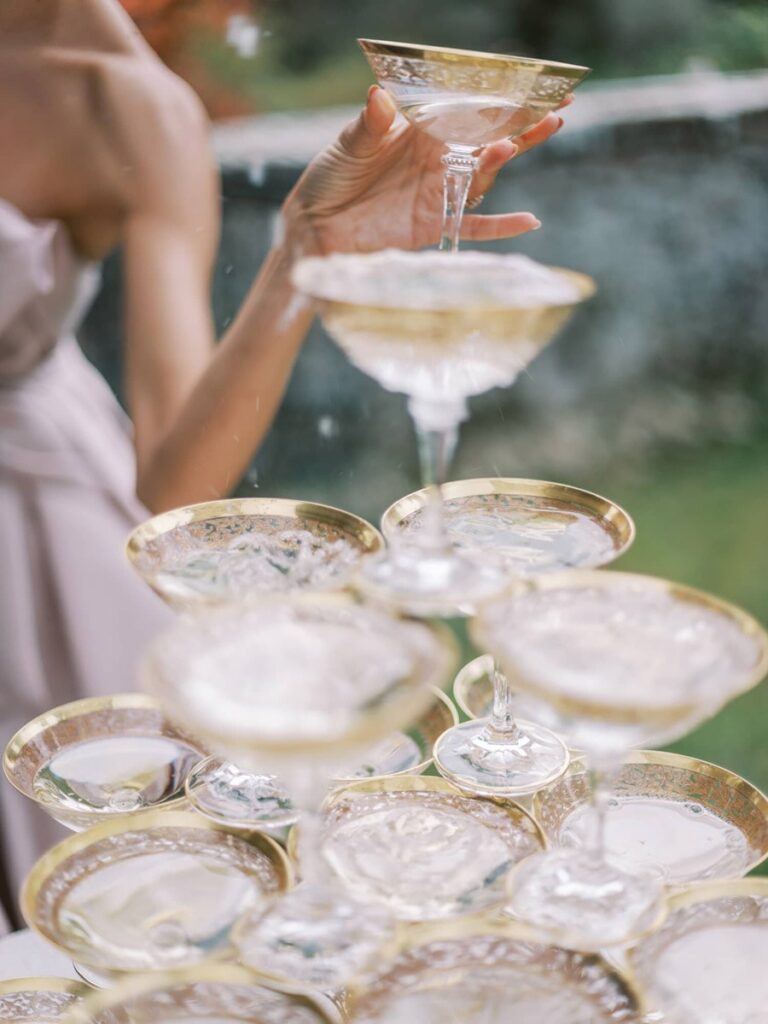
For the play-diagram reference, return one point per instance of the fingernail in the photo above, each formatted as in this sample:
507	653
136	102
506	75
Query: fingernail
372	89
536	225
385	101
562	122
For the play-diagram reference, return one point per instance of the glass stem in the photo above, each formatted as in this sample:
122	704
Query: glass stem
457	178
502	722
310	847
601	779
436	448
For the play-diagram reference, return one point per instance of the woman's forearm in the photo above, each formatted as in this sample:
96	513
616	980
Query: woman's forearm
222	421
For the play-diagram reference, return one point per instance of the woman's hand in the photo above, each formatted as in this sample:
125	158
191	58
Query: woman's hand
381	184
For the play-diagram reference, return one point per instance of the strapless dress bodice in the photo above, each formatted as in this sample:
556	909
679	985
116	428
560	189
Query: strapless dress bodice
45	290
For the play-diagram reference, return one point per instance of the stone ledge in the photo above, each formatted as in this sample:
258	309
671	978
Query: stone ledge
262	156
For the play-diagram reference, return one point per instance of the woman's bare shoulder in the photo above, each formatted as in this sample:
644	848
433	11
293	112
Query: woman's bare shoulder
124	130
153	125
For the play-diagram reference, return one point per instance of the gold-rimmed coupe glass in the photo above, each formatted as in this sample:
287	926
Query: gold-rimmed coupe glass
101	758
212	992
422	848
438	328
525	527
225	792
300	688
613	660
467	100
40	1000
225	552
152	891
483	971
220	552
707	961
685	819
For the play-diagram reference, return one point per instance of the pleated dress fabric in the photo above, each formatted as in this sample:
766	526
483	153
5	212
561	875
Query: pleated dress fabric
74	617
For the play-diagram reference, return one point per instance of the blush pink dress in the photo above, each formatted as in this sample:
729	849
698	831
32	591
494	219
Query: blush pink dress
74	618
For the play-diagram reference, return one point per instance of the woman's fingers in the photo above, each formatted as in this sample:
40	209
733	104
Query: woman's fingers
504	225
540	132
491	162
494	157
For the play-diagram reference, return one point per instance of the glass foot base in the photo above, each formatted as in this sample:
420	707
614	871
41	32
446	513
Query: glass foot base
94	978
224	793
430	583
584	904
318	936
475	759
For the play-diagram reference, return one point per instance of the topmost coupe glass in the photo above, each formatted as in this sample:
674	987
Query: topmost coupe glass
467	100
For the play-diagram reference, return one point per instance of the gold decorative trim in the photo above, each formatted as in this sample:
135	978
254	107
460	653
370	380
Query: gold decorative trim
477	58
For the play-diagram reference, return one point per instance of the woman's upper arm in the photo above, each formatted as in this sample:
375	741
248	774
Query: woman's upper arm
169	239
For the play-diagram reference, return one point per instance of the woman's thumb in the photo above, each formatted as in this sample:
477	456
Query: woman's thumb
365	134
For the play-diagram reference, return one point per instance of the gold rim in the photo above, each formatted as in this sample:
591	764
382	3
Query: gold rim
208	973
609	512
441	700
449	55
416	936
369	730
576	578
64	713
586	285
363	531
65	985
683	762
703	892
48	864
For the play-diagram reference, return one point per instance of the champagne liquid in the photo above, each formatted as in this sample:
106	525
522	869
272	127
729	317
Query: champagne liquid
644	664
472	121
493	997
485	980
682	842
214	1003
292	682
191	570
424	855
715	975
524	537
36	1007
436	328
152	909
114	774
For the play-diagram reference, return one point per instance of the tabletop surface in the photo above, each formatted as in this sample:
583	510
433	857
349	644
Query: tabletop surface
25	955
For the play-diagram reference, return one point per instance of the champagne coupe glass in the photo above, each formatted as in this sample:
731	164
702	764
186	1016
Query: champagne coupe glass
482	971
707	961
528	527
213	992
101	758
467	100
219	553
438	328
299	687
613	661
688	820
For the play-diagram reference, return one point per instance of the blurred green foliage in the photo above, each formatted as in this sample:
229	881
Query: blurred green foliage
307	56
